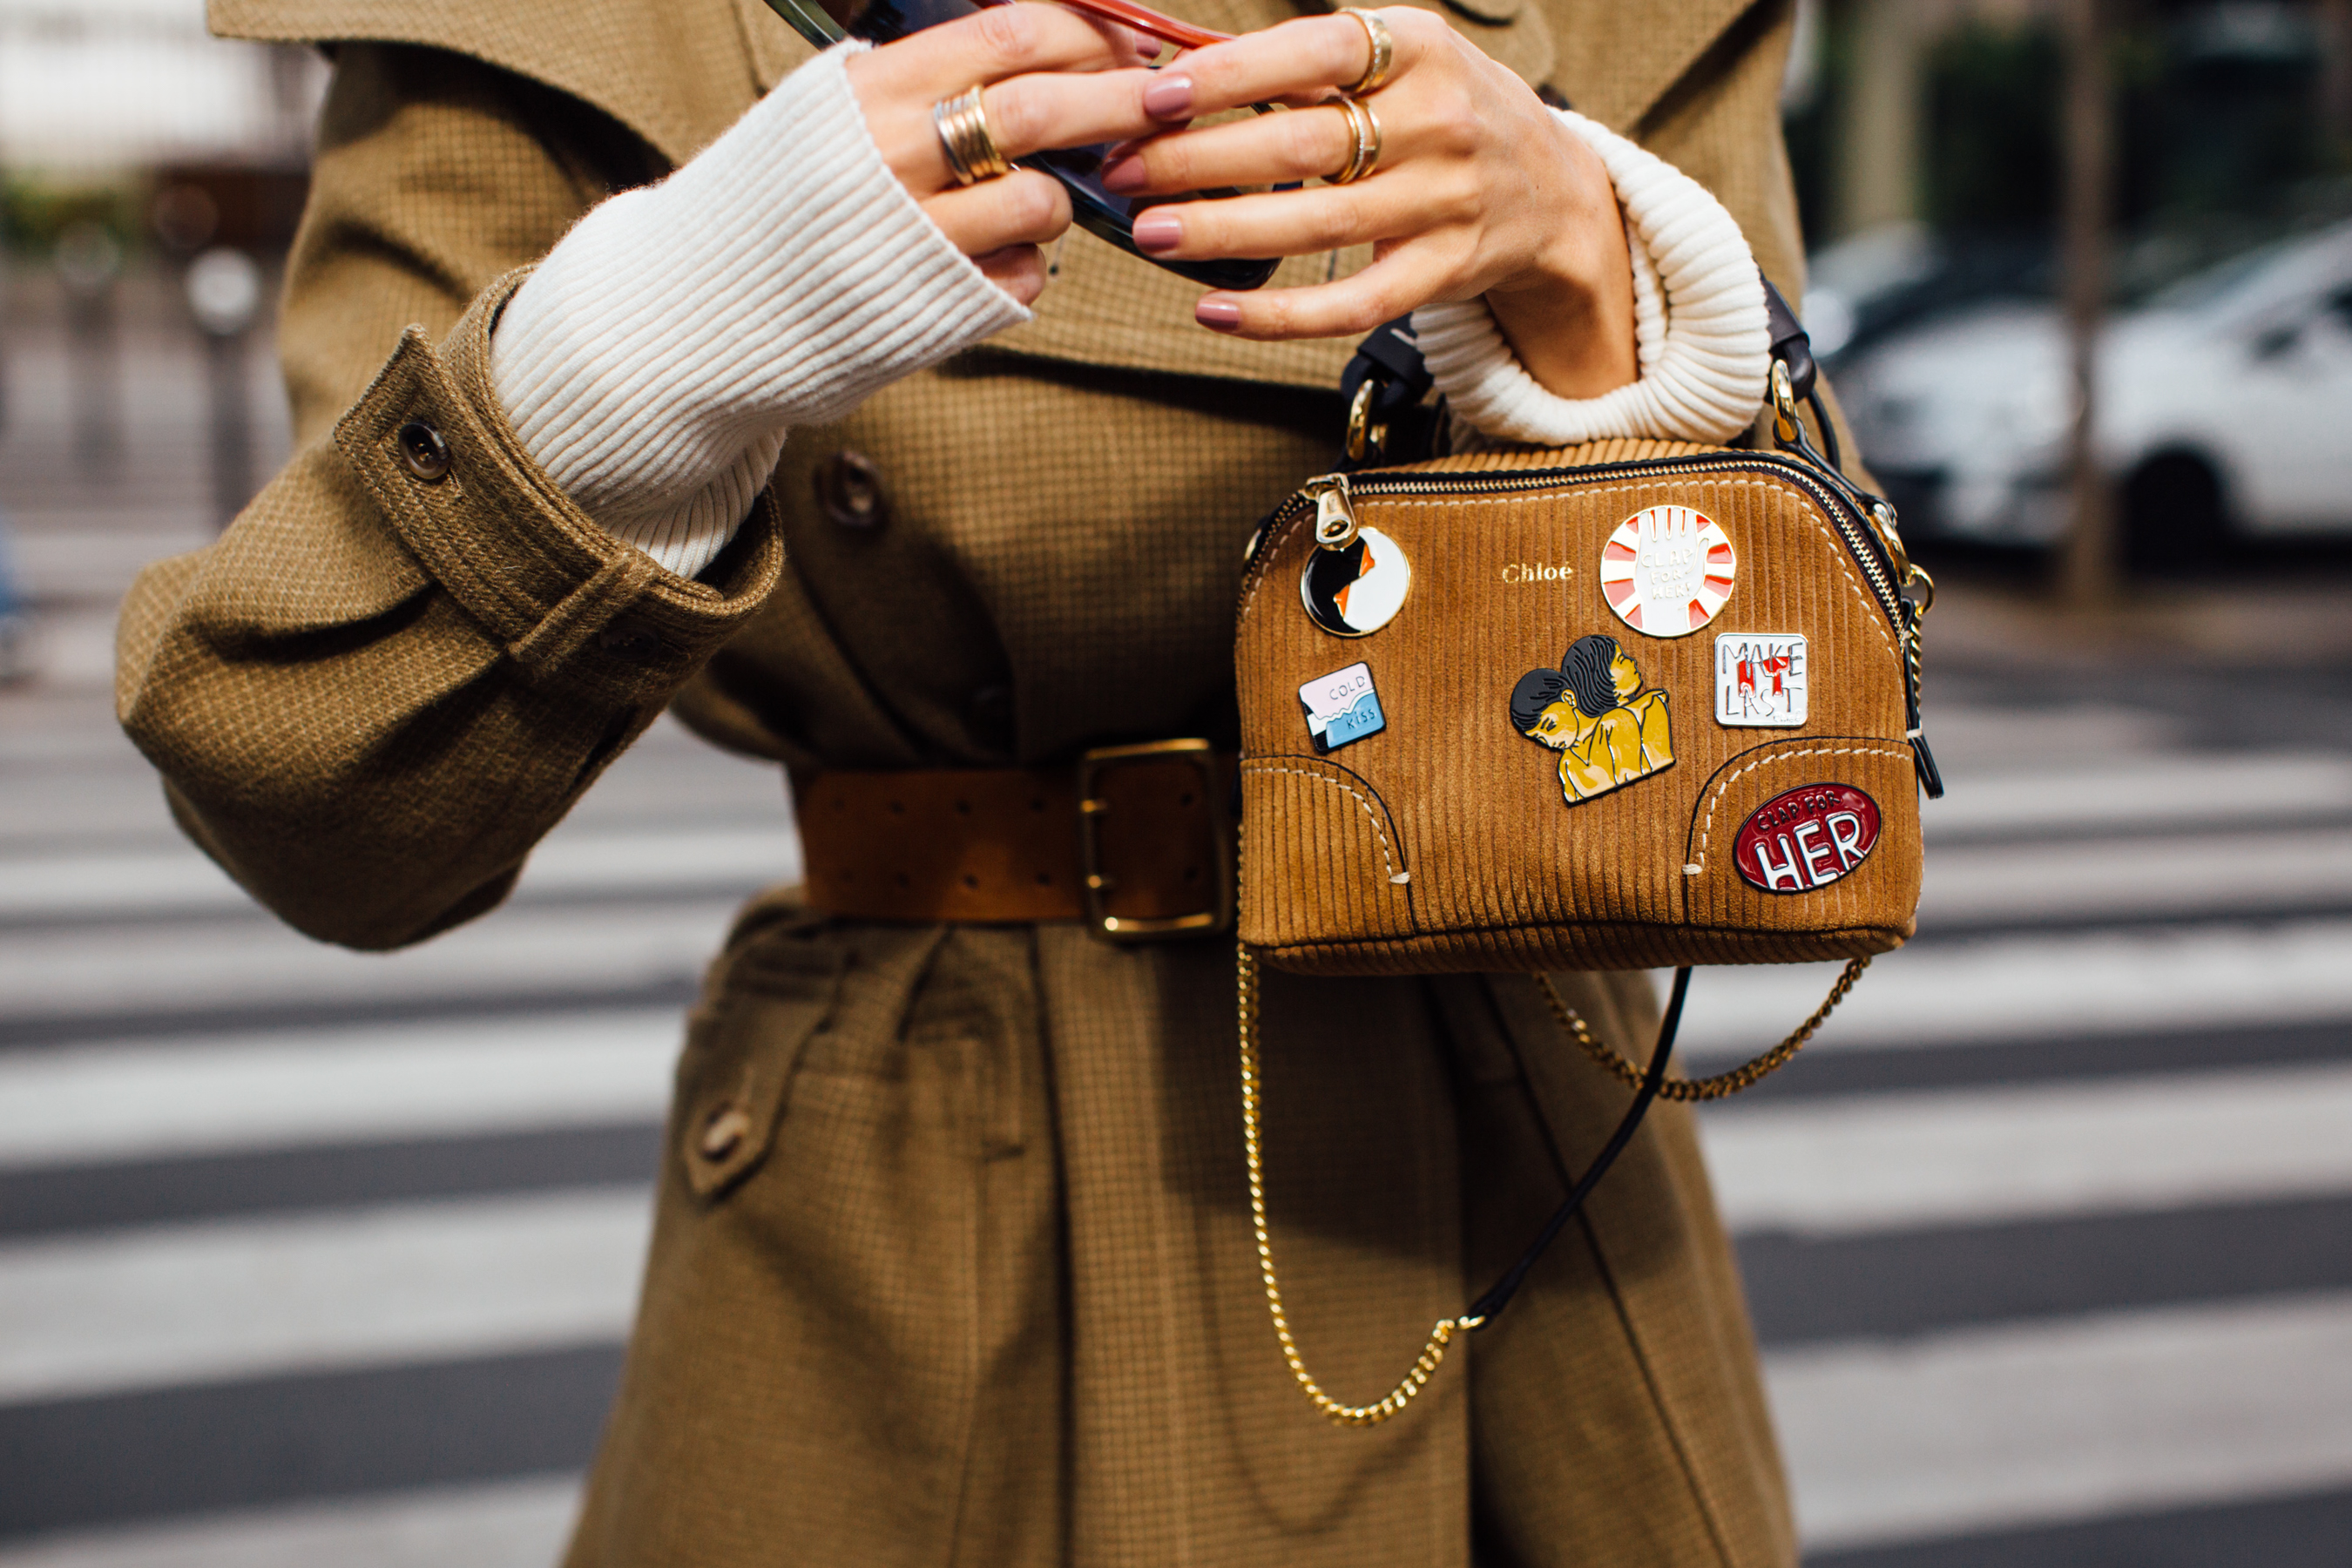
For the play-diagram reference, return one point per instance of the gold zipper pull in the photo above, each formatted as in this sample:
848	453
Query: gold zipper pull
1882	518
1335	511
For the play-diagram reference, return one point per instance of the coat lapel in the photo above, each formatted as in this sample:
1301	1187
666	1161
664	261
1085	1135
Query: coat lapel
677	73
1618	59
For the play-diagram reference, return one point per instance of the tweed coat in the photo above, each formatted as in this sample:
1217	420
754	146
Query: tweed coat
977	1286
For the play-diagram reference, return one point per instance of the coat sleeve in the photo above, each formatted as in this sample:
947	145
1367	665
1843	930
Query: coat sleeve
376	692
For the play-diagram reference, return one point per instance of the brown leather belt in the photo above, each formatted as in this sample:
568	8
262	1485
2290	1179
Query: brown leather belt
1136	841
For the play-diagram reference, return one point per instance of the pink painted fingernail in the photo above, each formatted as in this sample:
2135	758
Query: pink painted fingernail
1157	232
1218	315
1127	175
1169	98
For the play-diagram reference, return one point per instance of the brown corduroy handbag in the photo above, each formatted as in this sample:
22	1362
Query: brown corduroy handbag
1633	704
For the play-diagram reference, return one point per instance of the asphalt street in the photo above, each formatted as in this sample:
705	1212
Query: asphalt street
309	1256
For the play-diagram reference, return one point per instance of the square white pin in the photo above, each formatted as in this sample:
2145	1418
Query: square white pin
1341	707
1761	680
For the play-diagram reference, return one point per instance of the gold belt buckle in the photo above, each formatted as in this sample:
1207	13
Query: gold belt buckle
1124	930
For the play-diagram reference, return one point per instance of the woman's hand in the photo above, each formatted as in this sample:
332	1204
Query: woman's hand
1479	190
1053	78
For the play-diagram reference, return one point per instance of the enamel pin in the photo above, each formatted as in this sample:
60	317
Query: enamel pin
1760	679
1355	590
1593	712
1667	571
1341	707
1806	837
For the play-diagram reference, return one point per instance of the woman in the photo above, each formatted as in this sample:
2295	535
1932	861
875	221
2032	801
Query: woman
951	1259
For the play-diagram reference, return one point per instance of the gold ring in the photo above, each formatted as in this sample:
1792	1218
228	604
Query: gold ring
972	153
1366	127
1384	43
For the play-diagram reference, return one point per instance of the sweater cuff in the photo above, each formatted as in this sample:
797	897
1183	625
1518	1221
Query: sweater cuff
655	359
1702	342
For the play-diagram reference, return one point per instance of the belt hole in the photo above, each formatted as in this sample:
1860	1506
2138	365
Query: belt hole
1038	803
897	808
970	881
1045	879
1191	873
963	808
902	881
1185	799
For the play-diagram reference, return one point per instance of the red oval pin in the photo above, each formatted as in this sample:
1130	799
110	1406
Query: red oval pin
1806	837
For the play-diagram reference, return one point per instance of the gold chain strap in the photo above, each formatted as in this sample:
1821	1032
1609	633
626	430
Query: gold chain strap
1724	1083
1433	1352
1442	1334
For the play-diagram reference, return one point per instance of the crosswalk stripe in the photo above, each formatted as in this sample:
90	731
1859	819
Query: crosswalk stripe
63	973
512	1524
89	1103
2145	792
2137	878
224	1299
181	881
2052	985
1888	1162
1984	1428
1818	1290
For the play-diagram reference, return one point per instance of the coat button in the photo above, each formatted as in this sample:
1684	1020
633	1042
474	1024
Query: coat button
849	491
992	715
632	640
723	1132
423	452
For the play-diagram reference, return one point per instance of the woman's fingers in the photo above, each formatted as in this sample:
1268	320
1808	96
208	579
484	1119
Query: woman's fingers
1402	280
1045	110
1295	58
997	42
1024	207
1018	270
1025	114
1094	97
1302	223
1303	144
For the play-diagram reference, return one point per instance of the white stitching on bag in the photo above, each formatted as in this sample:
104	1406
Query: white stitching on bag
1699	865
1387	865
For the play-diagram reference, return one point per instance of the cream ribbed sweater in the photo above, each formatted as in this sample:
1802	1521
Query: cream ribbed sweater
656	359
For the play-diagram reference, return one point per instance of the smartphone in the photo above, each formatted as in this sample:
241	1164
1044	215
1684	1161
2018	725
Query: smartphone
1100	212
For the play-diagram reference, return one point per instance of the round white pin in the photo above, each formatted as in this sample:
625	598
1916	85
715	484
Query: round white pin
1667	571
1356	590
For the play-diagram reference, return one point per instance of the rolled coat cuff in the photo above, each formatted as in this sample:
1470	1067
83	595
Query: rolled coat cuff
1702	340
564	599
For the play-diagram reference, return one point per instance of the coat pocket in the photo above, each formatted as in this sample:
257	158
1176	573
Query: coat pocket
768	995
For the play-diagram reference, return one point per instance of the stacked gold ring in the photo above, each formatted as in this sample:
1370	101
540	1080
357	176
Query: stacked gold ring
1366	127
972	153
1383	44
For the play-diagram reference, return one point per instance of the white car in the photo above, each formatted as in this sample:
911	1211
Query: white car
2224	410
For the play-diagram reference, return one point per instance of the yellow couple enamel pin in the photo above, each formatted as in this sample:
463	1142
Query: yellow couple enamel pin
1593	712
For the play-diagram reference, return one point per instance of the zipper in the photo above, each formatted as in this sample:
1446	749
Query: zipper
1333	496
1864	536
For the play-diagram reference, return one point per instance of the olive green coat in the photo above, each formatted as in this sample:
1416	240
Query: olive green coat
978	1286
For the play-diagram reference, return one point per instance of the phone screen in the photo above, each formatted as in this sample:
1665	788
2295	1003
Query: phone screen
1111	216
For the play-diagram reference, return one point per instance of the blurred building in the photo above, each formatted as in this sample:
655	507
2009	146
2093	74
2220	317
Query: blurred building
97	87
1944	113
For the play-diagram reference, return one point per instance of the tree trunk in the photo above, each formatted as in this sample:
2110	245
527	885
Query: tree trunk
2088	566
